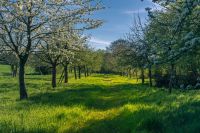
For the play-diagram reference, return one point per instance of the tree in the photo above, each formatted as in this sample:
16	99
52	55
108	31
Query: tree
180	39
23	23
142	46
58	48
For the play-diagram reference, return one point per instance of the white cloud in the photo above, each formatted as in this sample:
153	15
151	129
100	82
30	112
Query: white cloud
153	6
139	11
99	43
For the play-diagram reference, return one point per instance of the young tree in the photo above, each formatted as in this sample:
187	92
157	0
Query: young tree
142	46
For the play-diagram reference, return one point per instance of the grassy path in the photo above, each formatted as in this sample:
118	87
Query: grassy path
97	104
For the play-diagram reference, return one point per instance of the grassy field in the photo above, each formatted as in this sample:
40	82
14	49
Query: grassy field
97	104
4	70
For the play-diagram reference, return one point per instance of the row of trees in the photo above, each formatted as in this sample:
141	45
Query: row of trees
167	45
52	30
52	33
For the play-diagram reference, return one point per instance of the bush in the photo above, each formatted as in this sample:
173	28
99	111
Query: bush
181	81
162	80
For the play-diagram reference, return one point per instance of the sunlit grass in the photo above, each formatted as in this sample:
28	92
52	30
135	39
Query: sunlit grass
96	104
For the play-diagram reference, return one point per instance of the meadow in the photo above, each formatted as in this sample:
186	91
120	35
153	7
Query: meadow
96	104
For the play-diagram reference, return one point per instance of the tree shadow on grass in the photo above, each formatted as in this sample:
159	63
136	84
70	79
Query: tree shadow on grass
7	127
182	119
127	122
92	96
148	120
99	96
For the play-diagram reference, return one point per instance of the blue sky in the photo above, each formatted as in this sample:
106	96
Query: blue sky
118	16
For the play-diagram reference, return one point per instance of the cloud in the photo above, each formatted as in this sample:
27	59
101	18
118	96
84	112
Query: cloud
139	11
152	5
99	43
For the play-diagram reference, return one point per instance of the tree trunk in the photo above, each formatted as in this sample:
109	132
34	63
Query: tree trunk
79	72
53	75
172	78
136	74
66	73
150	76
75	76
142	75
85	72
12	70
15	71
22	86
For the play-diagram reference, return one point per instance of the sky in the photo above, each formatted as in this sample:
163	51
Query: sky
118	17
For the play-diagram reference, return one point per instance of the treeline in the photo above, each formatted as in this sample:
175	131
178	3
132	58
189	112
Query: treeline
166	46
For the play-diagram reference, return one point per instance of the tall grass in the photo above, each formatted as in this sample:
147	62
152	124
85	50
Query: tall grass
96	104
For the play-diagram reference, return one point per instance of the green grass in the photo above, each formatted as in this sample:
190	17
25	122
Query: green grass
5	70
97	104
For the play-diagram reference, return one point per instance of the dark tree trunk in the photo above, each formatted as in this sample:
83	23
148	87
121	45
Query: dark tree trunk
23	59
130	73
75	76
12	70
136	74
79	72
22	86
142	75
15	71
150	76
172	78
53	82
85	72
66	73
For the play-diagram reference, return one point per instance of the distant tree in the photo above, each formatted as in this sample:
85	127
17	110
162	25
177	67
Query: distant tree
57	49
142	47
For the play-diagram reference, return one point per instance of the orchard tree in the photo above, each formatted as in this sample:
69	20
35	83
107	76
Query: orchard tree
120	50
142	46
75	43
180	22
24	22
58	48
